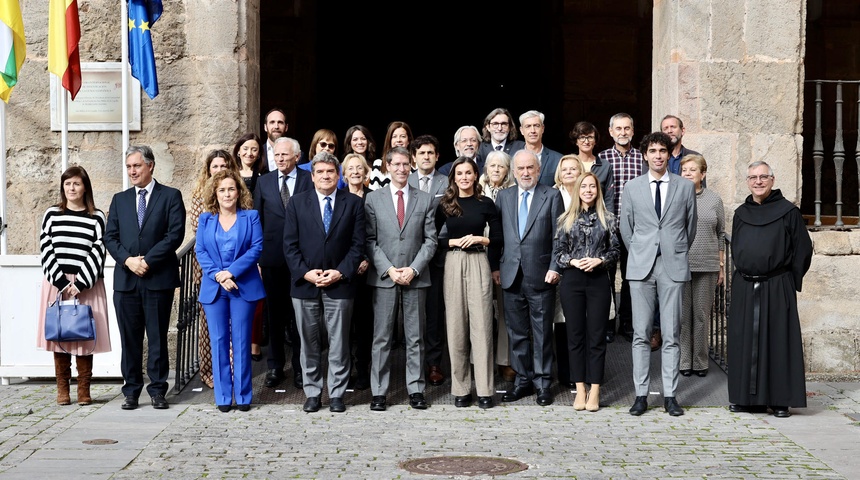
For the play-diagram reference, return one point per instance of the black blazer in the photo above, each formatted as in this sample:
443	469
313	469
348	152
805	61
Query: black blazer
307	247
267	201
157	239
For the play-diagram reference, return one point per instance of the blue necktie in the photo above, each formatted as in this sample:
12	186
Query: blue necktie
327	214
141	206
524	214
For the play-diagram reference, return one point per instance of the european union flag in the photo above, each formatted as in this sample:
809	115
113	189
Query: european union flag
142	15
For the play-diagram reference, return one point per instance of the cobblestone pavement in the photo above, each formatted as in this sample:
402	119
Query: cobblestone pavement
41	440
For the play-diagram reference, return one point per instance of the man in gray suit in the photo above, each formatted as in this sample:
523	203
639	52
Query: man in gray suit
401	240
528	273
658	225
425	155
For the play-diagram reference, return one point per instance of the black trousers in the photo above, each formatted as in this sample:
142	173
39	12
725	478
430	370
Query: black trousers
623	310
281	317
144	312
434	329
361	336
585	300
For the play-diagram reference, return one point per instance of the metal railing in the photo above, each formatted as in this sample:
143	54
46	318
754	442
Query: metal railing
720	313
188	321
838	145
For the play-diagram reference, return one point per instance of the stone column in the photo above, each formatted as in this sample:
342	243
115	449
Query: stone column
732	70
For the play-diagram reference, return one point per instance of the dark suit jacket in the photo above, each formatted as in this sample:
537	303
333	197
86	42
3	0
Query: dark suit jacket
308	247
157	239
486	147
267	201
532	253
249	236
549	159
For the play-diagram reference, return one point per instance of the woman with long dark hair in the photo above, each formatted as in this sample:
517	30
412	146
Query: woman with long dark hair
73	259
248	153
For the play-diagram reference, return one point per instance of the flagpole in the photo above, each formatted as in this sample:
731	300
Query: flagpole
3	219
64	138
124	96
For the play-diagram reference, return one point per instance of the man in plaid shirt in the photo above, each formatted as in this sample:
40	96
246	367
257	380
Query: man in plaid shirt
626	164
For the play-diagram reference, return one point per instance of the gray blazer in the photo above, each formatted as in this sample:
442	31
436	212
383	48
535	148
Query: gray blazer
437	186
389	245
532	253
642	231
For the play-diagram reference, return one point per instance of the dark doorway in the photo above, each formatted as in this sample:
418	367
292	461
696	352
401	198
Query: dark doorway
335	64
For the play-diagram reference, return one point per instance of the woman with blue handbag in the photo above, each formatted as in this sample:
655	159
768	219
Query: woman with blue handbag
72	258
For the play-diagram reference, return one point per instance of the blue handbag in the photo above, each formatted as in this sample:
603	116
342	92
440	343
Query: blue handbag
69	322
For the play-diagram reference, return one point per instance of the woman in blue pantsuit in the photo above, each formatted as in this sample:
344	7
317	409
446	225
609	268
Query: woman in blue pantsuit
229	242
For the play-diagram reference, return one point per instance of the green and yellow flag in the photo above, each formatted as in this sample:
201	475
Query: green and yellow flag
13	46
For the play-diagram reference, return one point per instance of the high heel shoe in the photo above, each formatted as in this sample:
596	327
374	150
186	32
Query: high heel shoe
579	401
593	403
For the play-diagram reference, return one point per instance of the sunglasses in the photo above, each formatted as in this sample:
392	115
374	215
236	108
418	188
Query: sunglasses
325	144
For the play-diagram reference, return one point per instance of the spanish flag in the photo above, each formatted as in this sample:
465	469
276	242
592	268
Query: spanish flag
13	46
64	33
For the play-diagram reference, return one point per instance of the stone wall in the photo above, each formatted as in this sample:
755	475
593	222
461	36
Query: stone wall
206	57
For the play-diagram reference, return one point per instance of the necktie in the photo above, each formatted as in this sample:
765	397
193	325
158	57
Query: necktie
498	147
425	184
524	213
658	204
401	209
327	214
285	192
141	206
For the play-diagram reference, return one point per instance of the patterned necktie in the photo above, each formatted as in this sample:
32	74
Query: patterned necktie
524	213
658	204
327	214
141	206
285	192
401	209
425	184
498	147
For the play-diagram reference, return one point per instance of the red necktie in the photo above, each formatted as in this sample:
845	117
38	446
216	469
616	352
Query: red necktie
401	210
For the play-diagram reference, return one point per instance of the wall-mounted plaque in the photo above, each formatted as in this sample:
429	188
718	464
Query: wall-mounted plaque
98	104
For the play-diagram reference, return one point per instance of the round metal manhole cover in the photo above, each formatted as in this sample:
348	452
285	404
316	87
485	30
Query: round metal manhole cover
99	441
468	466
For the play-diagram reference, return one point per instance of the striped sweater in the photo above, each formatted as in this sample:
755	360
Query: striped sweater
71	243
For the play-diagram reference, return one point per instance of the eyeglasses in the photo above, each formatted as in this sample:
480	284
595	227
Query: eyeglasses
498	125
589	139
395	166
327	145
762	178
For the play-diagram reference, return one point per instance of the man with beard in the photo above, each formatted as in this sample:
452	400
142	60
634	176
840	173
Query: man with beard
499	134
466	143
532	127
674	127
275	126
627	163
772	252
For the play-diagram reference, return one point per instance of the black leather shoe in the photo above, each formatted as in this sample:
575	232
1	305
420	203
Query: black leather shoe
417	401
464	401
518	393
610	336
274	377
485	402
686	373
243	407
378	403
544	397
159	402
256	357
672	407
297	380
701	373
130	403
639	406
781	412
224	408
747	409
312	404
335	404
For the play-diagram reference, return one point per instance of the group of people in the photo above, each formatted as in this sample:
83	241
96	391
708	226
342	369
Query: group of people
508	255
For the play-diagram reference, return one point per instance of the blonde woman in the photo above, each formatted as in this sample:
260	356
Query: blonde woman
587	249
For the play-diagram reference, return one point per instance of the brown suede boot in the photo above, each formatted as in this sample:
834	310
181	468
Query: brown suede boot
85	374
63	372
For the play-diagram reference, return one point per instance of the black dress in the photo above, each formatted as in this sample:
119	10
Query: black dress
772	251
